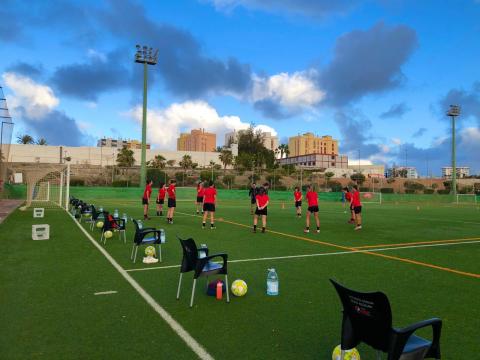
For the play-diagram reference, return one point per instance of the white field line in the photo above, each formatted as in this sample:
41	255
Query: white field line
455	221
176	327
318	254
106	292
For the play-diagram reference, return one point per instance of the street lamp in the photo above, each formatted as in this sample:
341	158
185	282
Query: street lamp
453	112
145	56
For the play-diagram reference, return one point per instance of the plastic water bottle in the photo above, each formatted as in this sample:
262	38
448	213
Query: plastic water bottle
125	217
140	224
162	236
115	214
202	251
100	209
272	282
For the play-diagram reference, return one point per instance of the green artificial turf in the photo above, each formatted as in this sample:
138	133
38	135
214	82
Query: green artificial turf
49	310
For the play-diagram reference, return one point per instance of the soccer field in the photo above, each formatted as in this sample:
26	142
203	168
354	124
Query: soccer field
424	256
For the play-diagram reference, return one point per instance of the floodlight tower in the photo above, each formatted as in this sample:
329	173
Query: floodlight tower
145	56
453	112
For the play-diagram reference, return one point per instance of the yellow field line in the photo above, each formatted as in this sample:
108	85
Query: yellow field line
357	249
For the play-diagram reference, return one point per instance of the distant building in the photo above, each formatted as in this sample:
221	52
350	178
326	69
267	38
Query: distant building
120	144
308	143
462	171
269	141
316	161
408	172
197	140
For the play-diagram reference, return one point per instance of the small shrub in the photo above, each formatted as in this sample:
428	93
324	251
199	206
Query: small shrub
336	186
428	191
386	190
364	189
410	191
443	191
77	182
120	183
390	180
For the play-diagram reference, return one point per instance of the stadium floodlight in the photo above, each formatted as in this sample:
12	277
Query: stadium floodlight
147	56
453	112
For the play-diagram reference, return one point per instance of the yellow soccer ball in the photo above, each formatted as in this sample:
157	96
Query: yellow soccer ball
150	251
351	354
108	234
100	224
239	288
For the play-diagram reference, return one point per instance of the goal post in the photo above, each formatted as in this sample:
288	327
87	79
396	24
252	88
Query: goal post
467	199
370	197
48	185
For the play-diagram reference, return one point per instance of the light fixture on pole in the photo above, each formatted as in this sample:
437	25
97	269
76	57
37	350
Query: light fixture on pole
453	112
147	56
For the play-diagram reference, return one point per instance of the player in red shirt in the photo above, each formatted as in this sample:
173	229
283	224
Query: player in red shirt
357	207
262	203
348	200
200	193
209	200
297	195
172	201
312	199
146	198
162	190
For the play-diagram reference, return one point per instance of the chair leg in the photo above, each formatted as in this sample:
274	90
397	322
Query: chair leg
124	236
179	285
193	292
379	355
342	354
135	257
101	237
226	284
133	249
160	252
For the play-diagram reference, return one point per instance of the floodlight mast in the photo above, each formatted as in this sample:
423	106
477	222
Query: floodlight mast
453	112
145	56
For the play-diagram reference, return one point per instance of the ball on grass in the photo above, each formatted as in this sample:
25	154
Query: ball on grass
150	251
351	354
108	234
239	288
100	224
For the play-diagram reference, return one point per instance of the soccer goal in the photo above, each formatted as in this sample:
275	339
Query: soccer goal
48	185
467	199
371	197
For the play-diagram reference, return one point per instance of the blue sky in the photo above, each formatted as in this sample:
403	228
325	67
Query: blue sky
378	75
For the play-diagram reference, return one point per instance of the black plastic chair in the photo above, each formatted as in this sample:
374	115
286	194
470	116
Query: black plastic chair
147	236
113	225
96	216
367	318
201	266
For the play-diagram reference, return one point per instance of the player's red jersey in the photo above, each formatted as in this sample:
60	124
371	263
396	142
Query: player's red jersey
171	191
312	198
262	199
161	193
348	196
209	195
356	199
147	192
297	195
200	191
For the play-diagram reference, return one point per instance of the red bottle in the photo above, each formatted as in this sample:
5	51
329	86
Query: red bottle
219	290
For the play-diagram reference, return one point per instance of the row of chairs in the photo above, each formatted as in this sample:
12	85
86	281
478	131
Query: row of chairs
143	236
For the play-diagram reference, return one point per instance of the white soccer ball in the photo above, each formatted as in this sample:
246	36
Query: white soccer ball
239	288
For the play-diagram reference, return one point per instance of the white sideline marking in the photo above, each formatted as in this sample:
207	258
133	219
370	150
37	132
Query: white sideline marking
318	254
181	332
105	292
456	221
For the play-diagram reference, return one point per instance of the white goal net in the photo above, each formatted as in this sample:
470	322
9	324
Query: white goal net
371	197
467	199
48	185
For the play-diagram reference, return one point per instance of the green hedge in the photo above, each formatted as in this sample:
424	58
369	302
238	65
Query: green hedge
386	190
428	191
443	191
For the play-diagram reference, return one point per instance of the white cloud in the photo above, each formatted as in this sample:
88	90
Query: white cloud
96	55
353	162
396	141
295	90
470	135
36	99
165	125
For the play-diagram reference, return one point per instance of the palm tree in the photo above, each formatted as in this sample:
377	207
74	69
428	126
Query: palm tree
157	162
283	149
25	139
226	157
186	163
125	158
42	141
171	163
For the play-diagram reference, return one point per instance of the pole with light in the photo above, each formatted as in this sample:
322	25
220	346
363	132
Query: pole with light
145	56
453	112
